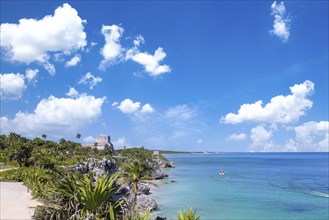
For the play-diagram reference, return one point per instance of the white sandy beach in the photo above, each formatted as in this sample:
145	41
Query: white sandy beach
16	202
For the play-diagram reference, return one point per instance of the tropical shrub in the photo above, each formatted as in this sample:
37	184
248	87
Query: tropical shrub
190	215
78	197
15	175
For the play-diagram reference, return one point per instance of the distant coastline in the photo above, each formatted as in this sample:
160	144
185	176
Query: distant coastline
164	152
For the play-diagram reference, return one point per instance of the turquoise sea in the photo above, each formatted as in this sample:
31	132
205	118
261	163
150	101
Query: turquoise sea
255	186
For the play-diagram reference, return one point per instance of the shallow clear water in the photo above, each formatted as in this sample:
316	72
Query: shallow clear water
255	186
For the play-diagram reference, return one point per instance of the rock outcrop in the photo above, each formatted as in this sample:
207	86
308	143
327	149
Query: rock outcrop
99	167
143	189
158	174
145	203
163	163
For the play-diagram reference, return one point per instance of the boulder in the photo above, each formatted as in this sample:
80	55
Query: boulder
145	203
79	168
143	189
170	164
98	172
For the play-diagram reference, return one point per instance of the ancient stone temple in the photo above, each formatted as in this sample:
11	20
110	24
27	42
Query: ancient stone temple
102	141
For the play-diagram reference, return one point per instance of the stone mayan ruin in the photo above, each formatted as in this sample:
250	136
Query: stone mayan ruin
102	141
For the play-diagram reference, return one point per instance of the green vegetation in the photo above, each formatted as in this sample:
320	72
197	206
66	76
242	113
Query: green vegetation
132	175
7	166
47	169
190	215
79	198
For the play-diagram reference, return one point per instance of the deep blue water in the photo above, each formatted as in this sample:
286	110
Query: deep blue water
255	186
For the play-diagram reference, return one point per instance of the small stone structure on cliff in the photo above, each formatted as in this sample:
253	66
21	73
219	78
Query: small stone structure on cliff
102	141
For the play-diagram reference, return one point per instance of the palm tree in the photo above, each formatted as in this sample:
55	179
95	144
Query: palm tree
134	173
44	136
78	136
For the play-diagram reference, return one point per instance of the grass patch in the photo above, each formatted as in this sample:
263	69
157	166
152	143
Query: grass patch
6	166
16	175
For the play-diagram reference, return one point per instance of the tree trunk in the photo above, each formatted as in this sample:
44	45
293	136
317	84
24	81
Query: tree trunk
19	162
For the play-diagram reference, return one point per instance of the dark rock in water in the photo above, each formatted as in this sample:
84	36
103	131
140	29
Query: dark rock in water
143	189
169	165
145	203
160	218
173	181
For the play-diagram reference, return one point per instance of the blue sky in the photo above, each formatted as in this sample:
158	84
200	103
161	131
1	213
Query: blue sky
177	75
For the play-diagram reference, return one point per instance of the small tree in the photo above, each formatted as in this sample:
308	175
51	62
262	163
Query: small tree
134	173
44	136
19	151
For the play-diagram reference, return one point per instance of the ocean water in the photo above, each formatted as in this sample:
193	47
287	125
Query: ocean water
255	186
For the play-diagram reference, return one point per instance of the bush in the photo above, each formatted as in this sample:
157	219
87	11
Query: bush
16	175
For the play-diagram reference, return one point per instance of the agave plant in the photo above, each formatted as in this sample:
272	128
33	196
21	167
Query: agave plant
74	198
190	215
96	198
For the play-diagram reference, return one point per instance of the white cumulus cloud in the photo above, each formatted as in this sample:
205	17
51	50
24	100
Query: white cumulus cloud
311	136
112	49
237	137
73	62
56	116
138	40
150	62
120	143
49	67
114	104
261	138
73	93
32	40
128	106
281	109
281	25
147	108
11	86
31	74
90	79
